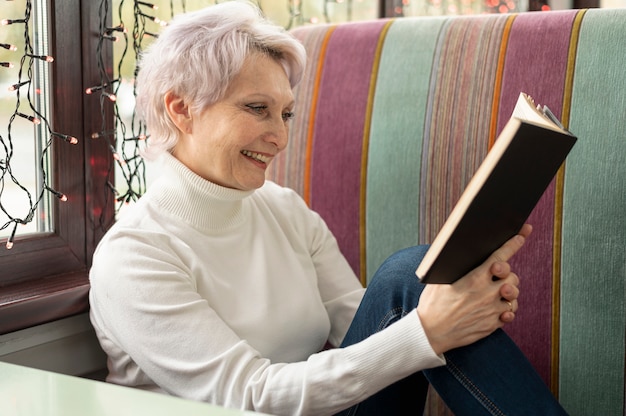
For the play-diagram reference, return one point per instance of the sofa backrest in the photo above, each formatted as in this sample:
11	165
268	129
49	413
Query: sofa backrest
393	118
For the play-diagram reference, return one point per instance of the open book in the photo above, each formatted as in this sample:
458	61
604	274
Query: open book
502	193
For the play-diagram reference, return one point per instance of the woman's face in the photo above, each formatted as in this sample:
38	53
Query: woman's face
232	141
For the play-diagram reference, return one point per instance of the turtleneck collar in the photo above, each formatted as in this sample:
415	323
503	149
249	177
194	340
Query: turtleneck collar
197	201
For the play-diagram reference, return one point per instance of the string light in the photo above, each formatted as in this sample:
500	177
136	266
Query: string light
18	85
150	5
11	237
134	139
61	196
100	134
46	58
147	16
153	18
116	155
6	22
110	37
66	137
8	47
119	28
111	97
91	90
32	119
6	168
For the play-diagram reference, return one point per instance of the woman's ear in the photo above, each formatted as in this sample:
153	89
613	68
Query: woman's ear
179	112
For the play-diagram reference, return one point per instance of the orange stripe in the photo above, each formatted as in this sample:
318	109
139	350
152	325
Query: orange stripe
498	80
309	138
558	213
365	152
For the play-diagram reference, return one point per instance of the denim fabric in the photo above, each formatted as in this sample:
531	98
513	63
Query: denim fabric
489	377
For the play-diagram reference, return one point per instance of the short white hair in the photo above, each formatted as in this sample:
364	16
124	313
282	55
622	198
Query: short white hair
198	55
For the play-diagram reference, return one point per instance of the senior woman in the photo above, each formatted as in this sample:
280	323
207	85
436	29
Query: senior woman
223	287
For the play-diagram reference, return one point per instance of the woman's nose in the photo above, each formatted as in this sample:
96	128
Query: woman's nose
279	133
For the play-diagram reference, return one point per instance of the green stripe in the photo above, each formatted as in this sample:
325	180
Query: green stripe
593	317
396	138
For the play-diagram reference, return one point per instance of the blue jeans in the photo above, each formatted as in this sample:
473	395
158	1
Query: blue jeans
489	377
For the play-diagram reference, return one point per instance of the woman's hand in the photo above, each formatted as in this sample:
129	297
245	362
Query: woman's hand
477	304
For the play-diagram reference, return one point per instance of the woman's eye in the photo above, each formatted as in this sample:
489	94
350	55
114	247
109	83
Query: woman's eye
261	109
258	109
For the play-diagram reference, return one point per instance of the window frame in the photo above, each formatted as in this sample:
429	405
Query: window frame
44	276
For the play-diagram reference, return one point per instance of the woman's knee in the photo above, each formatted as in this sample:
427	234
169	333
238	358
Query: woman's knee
396	279
393	292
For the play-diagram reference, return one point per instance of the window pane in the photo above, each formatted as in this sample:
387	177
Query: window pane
24	99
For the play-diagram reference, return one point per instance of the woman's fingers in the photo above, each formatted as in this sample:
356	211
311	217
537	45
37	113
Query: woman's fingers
512	246
476	305
510	306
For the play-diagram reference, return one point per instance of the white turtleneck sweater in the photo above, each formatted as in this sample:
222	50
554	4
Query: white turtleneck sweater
228	297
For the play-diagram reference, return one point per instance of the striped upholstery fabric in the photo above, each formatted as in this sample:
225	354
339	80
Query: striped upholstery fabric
393	118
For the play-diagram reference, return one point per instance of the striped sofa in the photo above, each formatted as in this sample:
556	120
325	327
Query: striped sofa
393	118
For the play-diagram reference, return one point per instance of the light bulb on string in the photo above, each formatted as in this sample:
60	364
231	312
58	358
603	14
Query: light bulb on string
141	137
11	237
117	156
46	58
153	18
150	5
18	85
6	22
61	196
67	138
111	97
32	119
91	90
100	134
8	47
109	37
119	28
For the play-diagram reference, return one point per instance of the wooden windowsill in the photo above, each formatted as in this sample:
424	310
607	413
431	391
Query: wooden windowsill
35	302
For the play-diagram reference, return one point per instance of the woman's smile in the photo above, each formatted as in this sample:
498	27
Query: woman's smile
259	158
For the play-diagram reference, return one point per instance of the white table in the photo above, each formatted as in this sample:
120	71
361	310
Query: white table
27	391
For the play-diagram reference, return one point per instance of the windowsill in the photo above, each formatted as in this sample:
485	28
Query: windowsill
35	302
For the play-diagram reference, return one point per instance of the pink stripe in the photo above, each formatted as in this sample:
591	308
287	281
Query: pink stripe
538	71
339	123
